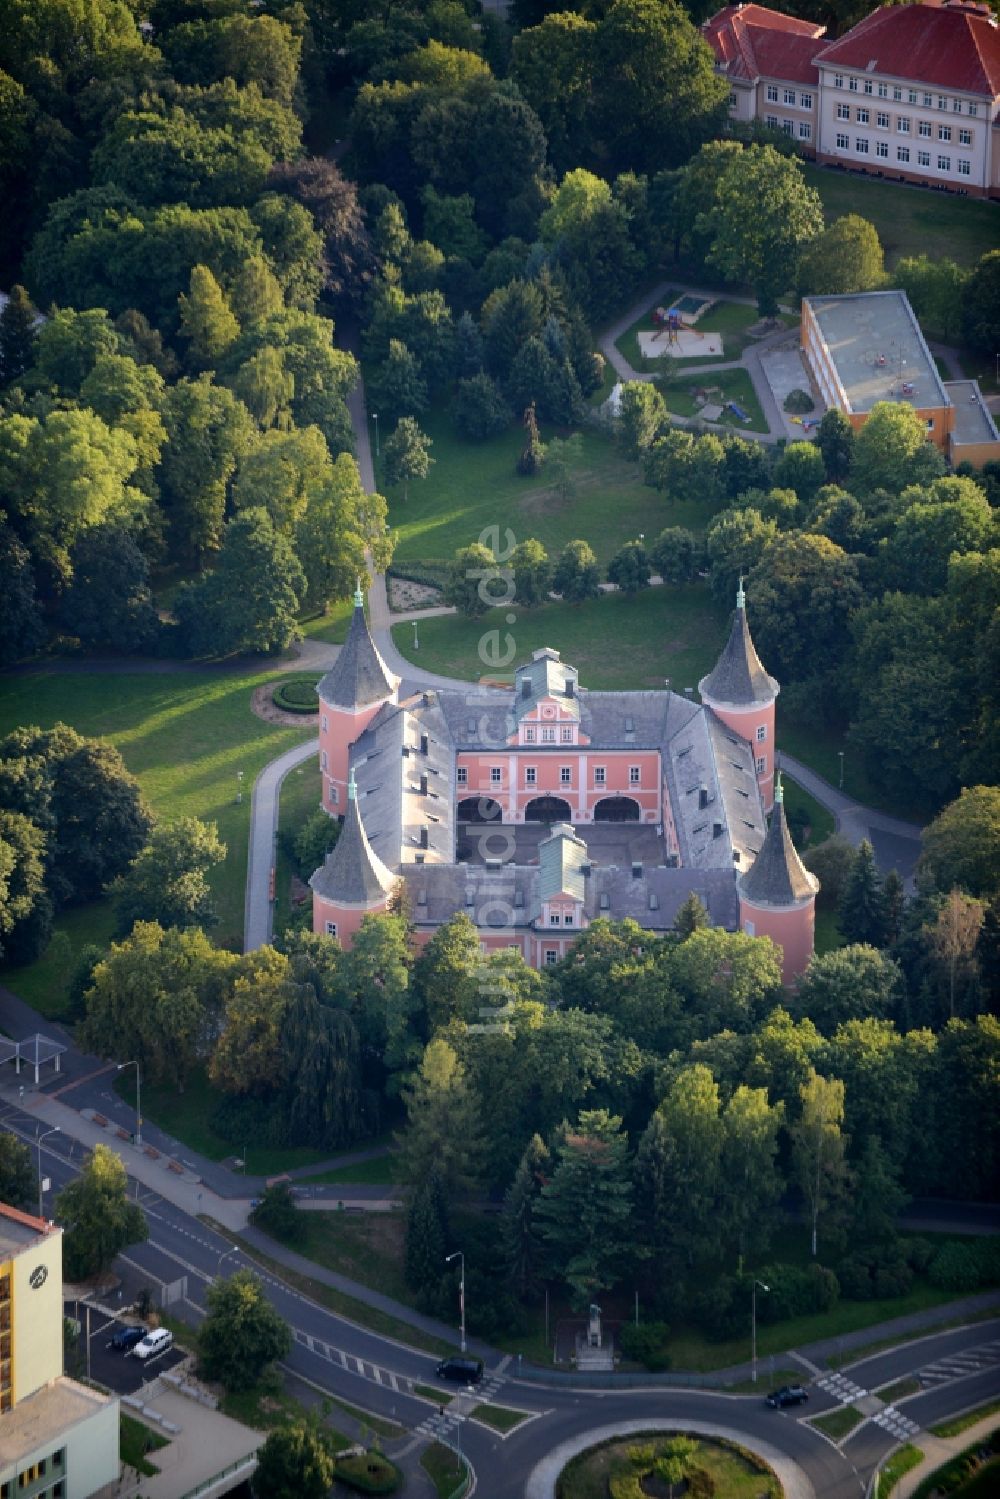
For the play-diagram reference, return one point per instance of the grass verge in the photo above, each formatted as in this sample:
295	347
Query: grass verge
958	1424
381	1171
500	1417
728	385
301	795
775	1377
899	1464
445	1470
837	1423
878	1345
267	1406
899	1390
136	1441
428	1392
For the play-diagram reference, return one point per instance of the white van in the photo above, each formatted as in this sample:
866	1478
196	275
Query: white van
157	1341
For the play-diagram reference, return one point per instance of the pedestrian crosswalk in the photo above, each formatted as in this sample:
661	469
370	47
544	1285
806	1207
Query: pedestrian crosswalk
895	1423
443	1424
840	1387
363	1368
958	1365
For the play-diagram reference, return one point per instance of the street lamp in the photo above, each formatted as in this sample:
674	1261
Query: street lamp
138	1098
375	420
753	1327
239	787
416	635
841	782
460	1255
224	1256
53	1131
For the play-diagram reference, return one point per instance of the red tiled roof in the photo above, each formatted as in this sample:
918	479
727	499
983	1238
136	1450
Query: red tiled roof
27	1220
751	41
937	45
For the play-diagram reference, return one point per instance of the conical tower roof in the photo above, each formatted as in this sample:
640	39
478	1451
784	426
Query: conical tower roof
777	876
359	676
738	677
353	875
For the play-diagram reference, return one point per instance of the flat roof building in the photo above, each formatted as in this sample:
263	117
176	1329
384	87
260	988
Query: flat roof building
868	348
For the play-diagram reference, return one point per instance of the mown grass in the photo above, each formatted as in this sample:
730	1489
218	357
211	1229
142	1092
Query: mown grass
300	796
185	735
473	487
837	1423
136	1441
616	641
899	1464
818	745
727	385
909	220
444	1468
380	1171
732	1474
899	1390
955	1427
267	1406
498	1416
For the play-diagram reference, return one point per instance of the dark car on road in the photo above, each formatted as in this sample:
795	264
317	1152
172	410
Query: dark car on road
789	1394
462	1370
127	1337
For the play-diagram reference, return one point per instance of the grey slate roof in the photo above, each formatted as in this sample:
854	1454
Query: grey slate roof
545	675
406	748
738	676
778	877
359	676
353	874
561	859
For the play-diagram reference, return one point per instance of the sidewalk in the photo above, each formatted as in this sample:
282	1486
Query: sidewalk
938	1450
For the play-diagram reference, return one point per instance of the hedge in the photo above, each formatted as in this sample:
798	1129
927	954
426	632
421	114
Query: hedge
296	695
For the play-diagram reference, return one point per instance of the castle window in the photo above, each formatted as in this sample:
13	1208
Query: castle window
462	776
761	733
553	918
324	762
334	795
326	723
634	775
548	736
600	775
566	735
529	736
565	775
551	956
530	775
331	929
496	775
761	764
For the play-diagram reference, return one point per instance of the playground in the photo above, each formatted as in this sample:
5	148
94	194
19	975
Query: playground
674	335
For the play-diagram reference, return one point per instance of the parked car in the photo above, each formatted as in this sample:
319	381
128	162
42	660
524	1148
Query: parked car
462	1370
127	1337
157	1341
789	1394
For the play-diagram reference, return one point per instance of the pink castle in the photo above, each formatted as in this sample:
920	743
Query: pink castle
542	808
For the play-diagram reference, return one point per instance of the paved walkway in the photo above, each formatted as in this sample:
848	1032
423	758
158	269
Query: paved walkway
896	843
938	1450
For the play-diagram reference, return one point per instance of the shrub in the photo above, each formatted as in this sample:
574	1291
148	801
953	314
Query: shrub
798	402
956	1267
893	1278
825	1288
278	1214
855	1275
721	1309
369	1473
296	695
313	841
919	1253
646	1344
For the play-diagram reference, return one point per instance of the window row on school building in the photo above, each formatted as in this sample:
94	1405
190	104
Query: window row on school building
912	92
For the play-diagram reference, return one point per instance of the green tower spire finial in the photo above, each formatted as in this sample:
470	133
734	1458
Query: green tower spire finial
352	787
359	598
779	795
741	598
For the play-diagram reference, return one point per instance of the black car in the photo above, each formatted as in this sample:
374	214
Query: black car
462	1370
789	1394
127	1337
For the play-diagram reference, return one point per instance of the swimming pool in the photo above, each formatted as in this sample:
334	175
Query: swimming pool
692	307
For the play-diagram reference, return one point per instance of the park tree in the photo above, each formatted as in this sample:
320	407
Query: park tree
320	1073
208	431
18	1183
891	451
800	468
295	1462
657	96
954	517
278	1213
562	459
964	1084
25	903
108	602
510	316
818	1152
282	474
849	983
250	602
629	568
266	388
22	631
763	217
532	573
590	231
248	1056
167	881
934	290
443	1128
839	517
751	1180
694	1136
479	409
696	195
576	576
96	1215
532	455
241	1334
736	541
206	319
584	1210
861	913
155	996
426	1236
877	1199
378	964
407	454
69	344
641	416
519	1228
348	258
953	938
677	554
18	322
691	917
835	440
801	593
470	350
256	293
342	526
845	257
553	65
961	847
396	387
470	579
450	225
981	305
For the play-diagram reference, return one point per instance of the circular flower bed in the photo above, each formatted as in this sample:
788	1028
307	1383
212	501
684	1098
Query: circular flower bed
296	695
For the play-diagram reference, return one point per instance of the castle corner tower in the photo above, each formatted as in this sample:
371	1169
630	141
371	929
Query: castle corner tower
777	896
741	693
350	695
352	882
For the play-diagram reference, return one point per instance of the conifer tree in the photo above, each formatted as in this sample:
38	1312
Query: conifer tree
691	916
522	1248
17	335
207	320
585	1210
443	1129
426	1238
861	911
533	454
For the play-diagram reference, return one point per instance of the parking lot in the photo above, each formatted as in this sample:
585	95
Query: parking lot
119	1372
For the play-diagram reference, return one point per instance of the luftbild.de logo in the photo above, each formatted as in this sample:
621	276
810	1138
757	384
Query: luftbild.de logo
38	1277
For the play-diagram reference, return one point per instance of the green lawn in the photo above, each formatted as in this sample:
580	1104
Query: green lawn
731	319
380	1171
301	793
838	1423
898	1464
137	1439
899	1389
445	1470
819	821
368	1247
332	625
498	1416
475	486
819	744
676	632
727	385
962	1423
733	1474
188	1117
185	735
909	220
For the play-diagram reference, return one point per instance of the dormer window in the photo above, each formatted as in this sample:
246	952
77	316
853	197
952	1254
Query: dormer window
548	736
529	736
566	735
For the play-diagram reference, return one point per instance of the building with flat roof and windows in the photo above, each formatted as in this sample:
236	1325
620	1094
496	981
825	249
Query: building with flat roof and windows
58	1438
910	93
867	348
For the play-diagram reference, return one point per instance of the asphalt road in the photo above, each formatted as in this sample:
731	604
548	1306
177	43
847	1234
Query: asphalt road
962	1367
